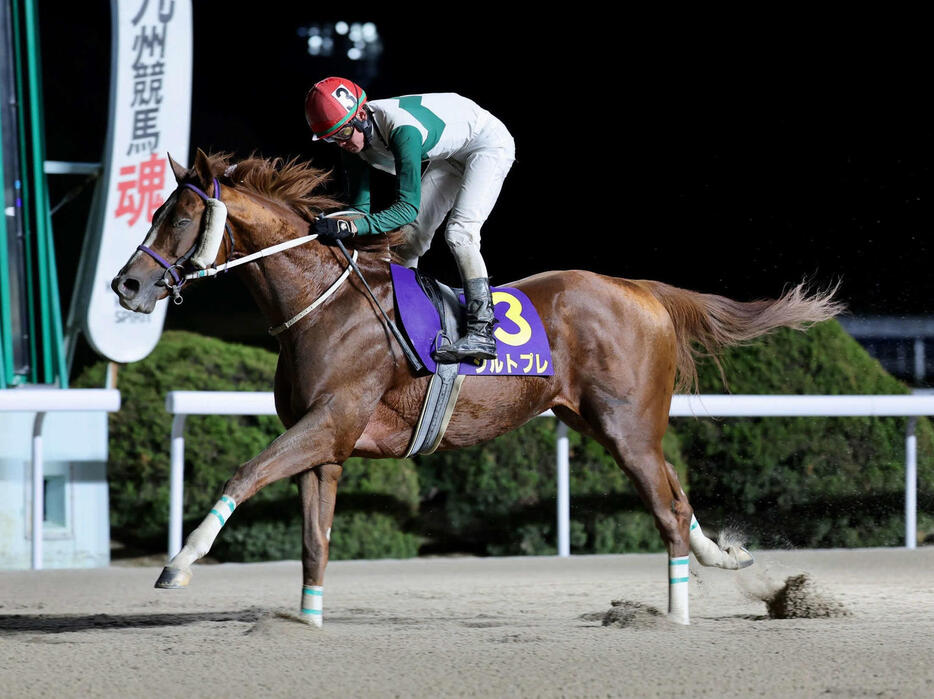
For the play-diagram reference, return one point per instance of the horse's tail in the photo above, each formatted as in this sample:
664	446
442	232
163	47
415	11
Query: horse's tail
706	324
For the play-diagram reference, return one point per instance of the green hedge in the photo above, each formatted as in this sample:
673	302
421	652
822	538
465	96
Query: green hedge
500	498
803	481
814	482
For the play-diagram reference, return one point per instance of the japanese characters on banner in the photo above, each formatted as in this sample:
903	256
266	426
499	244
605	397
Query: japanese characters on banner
150	114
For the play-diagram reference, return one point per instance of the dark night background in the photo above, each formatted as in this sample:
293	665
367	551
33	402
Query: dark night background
732	158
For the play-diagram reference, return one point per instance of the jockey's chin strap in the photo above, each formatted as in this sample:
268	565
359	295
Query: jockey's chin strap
203	252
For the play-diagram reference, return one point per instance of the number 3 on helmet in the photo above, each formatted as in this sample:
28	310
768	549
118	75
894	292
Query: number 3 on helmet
331	104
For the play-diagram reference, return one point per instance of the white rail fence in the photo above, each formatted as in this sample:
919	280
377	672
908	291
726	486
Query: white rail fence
49	400
184	403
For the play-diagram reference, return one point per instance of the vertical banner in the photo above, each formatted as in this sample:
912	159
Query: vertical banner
150	116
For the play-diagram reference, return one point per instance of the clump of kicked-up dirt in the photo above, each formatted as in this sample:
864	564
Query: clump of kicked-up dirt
624	614
800	598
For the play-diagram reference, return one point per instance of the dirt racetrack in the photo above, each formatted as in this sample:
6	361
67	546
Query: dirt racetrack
472	627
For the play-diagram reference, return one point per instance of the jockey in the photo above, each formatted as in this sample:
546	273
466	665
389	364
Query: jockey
468	153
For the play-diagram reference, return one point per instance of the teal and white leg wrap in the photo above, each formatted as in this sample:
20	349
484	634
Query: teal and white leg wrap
199	542
223	508
678	589
312	604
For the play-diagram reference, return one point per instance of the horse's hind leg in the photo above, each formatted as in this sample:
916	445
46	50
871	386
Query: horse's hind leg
631	429
632	432
318	490
660	490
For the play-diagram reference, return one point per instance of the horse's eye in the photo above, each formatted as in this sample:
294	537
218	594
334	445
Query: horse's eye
181	223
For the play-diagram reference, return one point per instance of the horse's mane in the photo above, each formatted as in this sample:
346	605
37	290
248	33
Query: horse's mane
294	183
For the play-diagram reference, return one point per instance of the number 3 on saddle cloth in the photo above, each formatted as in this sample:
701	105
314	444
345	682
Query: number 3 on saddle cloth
521	344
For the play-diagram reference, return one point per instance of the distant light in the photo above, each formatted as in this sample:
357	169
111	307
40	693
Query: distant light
357	40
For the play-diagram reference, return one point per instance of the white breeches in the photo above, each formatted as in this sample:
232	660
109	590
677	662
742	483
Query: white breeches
465	192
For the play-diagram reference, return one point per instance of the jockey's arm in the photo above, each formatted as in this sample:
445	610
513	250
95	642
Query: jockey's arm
406	145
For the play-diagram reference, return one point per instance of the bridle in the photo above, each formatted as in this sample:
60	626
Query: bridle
170	277
204	249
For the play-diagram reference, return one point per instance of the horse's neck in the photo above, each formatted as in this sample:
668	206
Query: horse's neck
285	283
282	283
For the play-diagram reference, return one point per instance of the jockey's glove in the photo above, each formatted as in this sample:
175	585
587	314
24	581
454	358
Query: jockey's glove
331	229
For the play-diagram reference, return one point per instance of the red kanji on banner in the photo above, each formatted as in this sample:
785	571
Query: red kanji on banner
148	186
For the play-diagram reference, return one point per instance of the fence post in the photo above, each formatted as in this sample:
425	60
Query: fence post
911	485
564	492
176	484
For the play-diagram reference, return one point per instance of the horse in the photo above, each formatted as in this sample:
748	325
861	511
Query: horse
619	348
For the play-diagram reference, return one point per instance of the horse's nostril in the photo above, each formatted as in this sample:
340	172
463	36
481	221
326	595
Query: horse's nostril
128	287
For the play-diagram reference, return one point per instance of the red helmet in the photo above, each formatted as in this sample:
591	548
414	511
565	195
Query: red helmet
330	104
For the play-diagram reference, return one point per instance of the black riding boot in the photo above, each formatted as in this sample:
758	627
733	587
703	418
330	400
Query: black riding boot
478	343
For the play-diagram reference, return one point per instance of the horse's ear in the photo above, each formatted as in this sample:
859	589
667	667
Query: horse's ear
202	169
180	172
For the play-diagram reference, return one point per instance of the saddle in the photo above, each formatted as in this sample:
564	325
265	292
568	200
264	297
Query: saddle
428	311
445	384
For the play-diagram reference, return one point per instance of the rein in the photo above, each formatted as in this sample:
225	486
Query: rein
207	249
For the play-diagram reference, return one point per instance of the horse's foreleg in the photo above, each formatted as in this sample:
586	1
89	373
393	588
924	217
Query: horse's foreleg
178	571
318	490
289	454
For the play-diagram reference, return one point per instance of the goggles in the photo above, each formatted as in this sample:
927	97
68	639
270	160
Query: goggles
344	133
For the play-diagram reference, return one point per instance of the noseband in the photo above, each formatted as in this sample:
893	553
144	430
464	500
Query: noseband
170	277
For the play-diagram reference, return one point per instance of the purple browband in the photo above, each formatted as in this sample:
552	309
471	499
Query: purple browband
201	193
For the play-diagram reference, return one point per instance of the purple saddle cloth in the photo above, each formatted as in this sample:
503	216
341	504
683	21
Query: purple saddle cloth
521	344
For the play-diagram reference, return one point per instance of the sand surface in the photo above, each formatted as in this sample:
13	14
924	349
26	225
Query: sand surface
472	627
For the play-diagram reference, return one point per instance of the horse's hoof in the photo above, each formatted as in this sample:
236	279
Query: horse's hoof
173	578
680	619
313	620
741	556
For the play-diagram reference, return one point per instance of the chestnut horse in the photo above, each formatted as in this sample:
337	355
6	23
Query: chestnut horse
343	388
